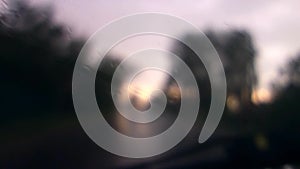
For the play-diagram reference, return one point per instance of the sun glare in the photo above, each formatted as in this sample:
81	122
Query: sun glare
261	96
143	92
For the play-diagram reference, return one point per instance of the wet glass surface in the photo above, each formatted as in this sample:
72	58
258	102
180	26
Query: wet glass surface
258	44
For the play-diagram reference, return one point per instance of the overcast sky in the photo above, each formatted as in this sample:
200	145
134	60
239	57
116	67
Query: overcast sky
273	24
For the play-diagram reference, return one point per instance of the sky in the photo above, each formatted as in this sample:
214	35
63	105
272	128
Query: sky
273	24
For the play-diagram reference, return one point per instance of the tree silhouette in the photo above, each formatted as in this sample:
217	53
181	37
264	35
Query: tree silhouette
285	107
36	62
237	53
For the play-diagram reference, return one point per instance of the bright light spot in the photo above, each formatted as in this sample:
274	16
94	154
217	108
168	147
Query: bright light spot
261	96
233	103
174	93
143	92
140	94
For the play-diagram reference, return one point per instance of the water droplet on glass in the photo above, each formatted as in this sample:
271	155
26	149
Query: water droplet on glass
112	64
4	4
86	68
68	33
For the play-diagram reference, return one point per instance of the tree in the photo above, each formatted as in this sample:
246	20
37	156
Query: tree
36	62
237	53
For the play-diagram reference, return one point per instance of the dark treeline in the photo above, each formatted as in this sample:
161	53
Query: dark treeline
37	59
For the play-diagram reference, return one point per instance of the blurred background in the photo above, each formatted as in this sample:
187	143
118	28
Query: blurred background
258	43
